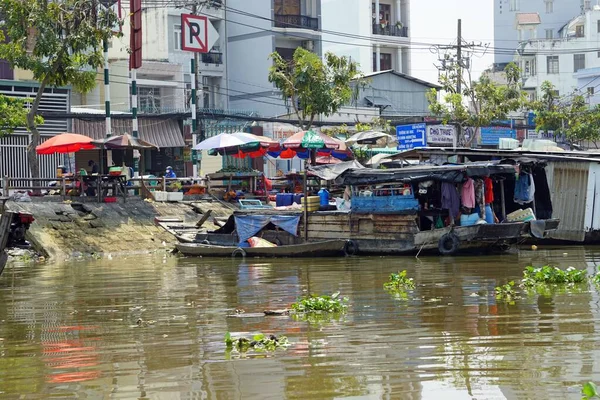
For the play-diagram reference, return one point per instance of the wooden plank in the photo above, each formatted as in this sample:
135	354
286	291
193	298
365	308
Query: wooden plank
203	219
3	260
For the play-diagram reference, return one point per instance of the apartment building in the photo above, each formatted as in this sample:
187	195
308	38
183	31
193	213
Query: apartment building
372	33
570	61
164	80
553	14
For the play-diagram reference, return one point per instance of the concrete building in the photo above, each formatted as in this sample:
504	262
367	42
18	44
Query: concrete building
552	15
372	33
570	61
164	80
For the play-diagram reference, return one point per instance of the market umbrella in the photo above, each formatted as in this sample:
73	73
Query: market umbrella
371	137
65	143
125	141
311	140
221	141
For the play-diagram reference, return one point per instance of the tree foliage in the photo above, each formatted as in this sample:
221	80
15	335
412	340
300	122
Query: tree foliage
60	42
570	117
13	114
487	101
314	87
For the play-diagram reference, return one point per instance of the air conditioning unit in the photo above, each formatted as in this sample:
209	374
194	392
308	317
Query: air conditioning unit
308	45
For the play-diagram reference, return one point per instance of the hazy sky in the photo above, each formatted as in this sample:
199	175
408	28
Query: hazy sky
435	21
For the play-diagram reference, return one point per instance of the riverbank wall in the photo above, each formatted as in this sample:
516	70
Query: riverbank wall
64	230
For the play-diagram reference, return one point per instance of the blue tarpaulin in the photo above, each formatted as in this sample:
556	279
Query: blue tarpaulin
249	225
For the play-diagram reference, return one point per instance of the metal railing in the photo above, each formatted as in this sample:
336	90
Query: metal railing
390	30
212	58
296	21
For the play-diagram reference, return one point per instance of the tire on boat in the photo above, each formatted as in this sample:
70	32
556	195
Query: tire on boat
238	252
205	242
277	241
350	248
448	244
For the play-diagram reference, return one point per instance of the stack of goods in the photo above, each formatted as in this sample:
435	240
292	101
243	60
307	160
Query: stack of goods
313	203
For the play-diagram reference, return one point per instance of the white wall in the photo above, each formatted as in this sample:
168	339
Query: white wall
351	17
154	32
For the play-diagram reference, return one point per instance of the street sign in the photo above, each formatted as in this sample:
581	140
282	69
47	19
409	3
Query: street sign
411	136
197	33
491	135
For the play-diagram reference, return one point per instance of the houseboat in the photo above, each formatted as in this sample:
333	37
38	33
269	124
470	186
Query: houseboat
439	209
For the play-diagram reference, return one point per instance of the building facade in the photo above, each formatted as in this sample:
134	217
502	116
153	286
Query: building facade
570	61
553	14
372	33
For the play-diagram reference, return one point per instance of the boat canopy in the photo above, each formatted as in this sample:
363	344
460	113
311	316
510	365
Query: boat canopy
249	225
454	173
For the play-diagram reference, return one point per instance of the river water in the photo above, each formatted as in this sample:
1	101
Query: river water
153	327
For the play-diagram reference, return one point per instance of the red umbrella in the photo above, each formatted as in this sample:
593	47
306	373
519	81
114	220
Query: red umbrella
65	143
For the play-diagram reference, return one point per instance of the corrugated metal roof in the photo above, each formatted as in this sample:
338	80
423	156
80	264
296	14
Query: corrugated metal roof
528	19
163	133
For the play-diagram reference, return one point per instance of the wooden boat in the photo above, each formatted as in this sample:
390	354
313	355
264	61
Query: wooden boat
313	249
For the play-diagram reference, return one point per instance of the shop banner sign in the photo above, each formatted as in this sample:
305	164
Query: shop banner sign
441	135
411	136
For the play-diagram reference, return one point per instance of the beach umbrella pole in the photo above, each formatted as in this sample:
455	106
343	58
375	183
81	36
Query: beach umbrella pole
306	200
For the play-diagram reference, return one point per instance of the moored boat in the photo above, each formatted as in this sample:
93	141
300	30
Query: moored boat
313	249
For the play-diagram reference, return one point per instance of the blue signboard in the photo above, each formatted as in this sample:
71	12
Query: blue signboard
411	136
491	135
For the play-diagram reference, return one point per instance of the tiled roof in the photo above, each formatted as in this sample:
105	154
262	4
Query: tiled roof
163	133
528	19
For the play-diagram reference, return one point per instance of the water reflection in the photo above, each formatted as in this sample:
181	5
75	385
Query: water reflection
153	328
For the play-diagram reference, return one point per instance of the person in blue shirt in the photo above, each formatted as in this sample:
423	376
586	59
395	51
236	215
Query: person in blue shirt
170	173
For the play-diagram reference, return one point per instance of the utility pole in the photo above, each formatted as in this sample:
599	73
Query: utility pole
460	71
193	104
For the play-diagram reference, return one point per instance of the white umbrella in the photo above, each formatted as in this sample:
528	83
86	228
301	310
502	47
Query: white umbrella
371	137
221	141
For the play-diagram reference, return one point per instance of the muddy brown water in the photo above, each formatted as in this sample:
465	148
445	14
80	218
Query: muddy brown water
71	330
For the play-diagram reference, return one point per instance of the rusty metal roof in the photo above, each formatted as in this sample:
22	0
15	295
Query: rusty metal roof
528	19
163	133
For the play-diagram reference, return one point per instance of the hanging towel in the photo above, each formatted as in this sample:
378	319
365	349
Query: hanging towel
450	200
468	194
489	190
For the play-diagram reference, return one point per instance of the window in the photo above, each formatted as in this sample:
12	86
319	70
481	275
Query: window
549	6
549	34
590	91
598	26
580	31
552	64
149	99
530	68
514	5
177	37
599	54
578	62
385	62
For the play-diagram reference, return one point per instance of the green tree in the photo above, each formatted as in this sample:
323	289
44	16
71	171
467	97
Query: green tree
569	116
60	42
13	114
314	87
486	101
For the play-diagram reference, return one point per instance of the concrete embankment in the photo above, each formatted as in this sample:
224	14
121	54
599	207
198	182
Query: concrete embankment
70	229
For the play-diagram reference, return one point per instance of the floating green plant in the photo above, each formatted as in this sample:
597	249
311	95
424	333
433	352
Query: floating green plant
590	391
506	292
399	282
533	276
258	342
328	304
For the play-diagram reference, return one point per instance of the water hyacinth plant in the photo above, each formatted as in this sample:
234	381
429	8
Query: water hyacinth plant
399	282
506	292
328	304
259	342
533	276
590	391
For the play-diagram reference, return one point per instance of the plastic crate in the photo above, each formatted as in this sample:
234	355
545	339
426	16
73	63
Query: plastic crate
175	196
160	196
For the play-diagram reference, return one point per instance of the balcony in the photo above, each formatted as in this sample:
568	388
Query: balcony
211	64
390	30
296	21
212	58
